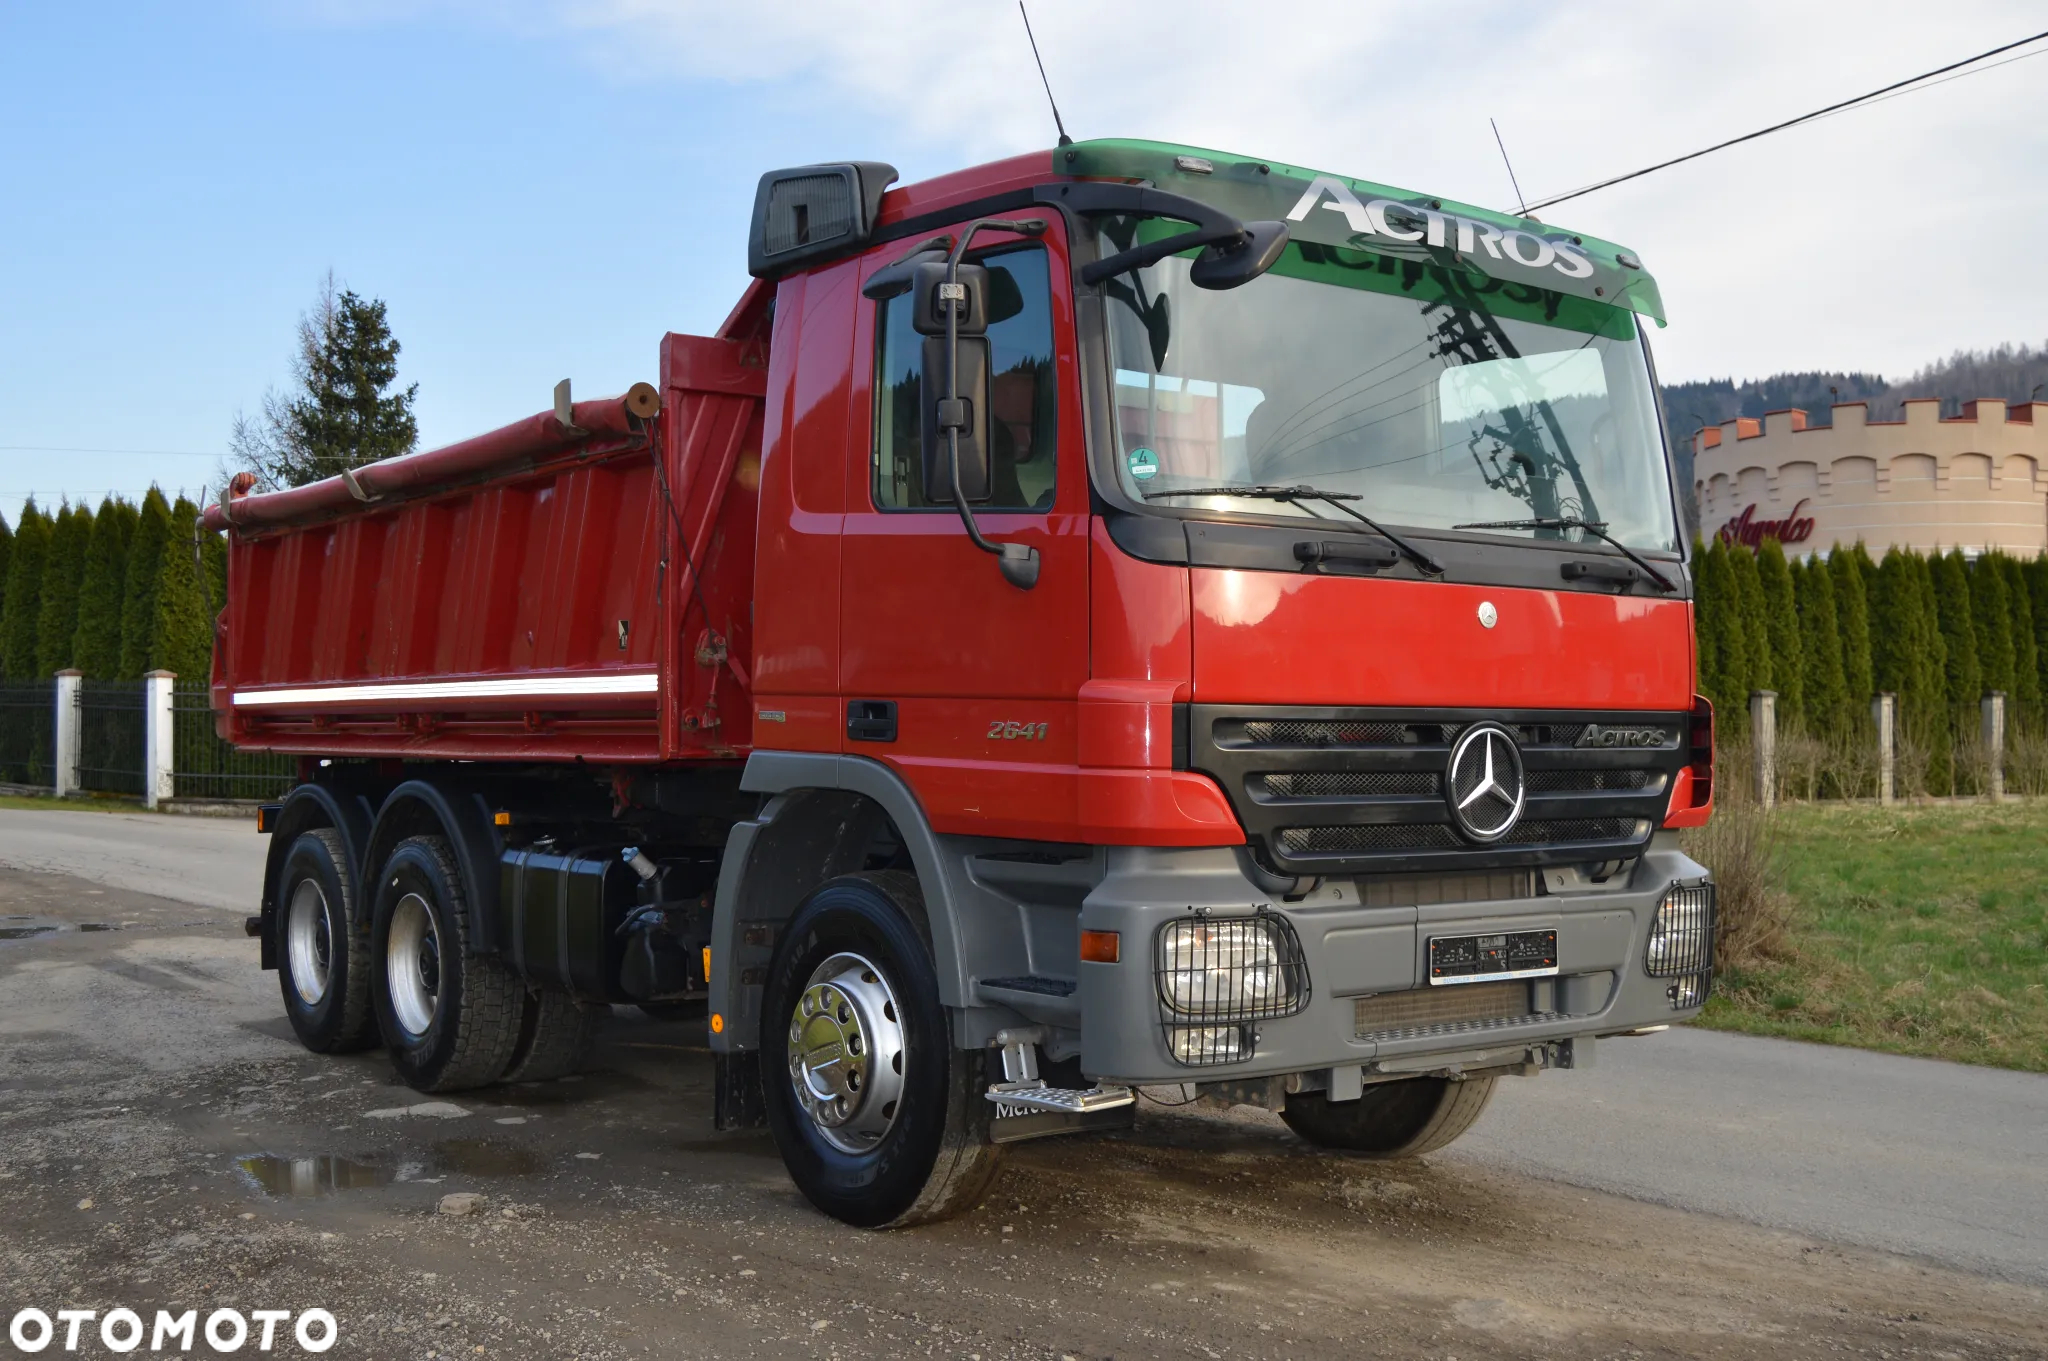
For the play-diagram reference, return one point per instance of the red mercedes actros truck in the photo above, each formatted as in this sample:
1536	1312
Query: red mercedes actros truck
1123	615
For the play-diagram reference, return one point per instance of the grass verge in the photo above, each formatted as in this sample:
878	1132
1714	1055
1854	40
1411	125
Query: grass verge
1914	930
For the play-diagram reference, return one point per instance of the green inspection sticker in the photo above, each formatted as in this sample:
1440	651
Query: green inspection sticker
1144	465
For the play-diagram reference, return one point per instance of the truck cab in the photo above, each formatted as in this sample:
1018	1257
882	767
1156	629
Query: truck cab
1200	622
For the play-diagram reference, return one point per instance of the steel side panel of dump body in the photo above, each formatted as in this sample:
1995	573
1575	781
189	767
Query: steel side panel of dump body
523	595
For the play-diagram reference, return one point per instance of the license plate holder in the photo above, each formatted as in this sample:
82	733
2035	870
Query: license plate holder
1492	957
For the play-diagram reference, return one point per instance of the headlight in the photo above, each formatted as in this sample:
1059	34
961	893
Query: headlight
1682	933
1237	969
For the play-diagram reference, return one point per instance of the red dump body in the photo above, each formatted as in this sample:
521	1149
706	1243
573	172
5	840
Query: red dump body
518	595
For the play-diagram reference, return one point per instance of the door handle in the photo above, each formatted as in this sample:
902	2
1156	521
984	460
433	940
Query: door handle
871	720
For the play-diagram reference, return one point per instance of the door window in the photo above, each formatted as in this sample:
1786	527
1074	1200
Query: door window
1023	405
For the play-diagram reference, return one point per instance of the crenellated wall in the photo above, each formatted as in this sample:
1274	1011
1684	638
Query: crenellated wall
1977	481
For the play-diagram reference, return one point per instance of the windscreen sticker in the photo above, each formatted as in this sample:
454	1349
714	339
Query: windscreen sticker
1144	465
1397	221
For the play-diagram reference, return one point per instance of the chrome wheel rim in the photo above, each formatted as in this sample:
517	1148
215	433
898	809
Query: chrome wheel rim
309	941
412	965
846	1053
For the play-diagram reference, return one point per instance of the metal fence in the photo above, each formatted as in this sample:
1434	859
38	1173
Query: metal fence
205	767
112	728
28	732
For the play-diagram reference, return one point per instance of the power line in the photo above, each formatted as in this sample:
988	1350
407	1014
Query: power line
69	449
1896	87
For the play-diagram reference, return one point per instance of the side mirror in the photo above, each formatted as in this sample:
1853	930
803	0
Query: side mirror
928	310
970	380
1258	252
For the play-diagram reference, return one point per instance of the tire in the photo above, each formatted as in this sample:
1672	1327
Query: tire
555	1035
450	1019
1402	1119
323	960
872	1144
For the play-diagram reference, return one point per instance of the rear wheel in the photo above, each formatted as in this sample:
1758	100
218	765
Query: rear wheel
555	1035
881	1122
450	1019
323	962
1392	1119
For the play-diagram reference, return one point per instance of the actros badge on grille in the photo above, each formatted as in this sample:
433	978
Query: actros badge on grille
1484	784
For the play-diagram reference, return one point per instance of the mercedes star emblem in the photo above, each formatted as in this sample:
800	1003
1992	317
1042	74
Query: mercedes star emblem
1488	615
1484	784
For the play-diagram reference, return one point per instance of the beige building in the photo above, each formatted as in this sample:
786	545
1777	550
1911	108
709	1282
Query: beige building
1978	481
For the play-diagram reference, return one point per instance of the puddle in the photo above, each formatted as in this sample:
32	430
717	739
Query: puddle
487	1158
307	1178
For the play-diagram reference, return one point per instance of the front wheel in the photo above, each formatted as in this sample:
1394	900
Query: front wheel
881	1122
1402	1119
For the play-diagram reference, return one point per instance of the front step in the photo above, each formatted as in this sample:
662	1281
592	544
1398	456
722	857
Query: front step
1028	1108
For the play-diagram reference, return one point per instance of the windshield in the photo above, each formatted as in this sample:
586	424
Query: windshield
1437	396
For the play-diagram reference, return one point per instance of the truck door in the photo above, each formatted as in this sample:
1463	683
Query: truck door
983	676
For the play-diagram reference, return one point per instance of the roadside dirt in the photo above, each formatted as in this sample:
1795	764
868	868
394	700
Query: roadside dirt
165	1144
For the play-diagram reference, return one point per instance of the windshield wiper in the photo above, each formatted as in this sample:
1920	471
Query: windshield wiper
1295	495
1597	528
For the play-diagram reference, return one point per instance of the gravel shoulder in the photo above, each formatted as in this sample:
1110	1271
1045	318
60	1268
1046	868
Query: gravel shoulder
164	1142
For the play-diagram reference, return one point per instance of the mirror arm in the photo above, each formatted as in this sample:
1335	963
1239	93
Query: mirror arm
1019	562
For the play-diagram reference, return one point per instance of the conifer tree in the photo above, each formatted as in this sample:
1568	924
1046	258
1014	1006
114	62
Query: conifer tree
2026	662
6	553
1781	622
138	599
2035	571
21	610
1828	710
1937	715
181	639
57	620
1724	682
1964	680
96	647
1992	614
1852	571
1753	617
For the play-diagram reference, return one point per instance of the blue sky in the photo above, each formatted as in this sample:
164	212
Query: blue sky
540	189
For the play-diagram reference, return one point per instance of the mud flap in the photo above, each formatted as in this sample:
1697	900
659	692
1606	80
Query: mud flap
736	1098
1008	1128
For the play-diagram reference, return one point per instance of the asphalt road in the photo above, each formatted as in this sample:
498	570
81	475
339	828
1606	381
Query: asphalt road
1913	1156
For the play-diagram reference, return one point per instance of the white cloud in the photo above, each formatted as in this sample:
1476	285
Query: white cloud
1878	239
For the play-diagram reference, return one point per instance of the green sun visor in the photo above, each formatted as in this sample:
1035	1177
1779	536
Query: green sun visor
1358	215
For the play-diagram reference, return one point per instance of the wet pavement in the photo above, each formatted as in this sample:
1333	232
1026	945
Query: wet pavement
164	1143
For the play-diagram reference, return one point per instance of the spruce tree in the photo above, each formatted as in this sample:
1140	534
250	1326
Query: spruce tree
96	648
1753	617
1852	571
21	610
2035	570
181	639
1781	622
57	620
1992	614
138	598
2026	662
1828	711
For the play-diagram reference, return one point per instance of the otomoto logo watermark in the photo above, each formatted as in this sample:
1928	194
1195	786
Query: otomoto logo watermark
122	1330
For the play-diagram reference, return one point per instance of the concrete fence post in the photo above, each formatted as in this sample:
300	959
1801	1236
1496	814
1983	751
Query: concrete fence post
1763	726
158	722
1884	711
1994	744
64	734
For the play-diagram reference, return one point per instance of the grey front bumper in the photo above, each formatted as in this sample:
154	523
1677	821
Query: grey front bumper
1352	952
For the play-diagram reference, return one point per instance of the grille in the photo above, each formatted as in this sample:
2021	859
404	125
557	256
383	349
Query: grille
1433	1006
1364	791
1318	733
1422	1032
1325	784
1558	781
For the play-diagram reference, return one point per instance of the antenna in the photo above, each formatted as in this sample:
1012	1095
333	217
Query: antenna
1064	139
1521	204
